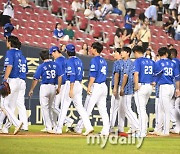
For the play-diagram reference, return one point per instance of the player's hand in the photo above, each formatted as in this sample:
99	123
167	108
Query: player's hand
114	92
30	93
153	84
89	92
57	91
71	94
136	88
122	92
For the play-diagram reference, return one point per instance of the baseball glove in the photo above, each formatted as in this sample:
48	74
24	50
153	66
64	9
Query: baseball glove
5	89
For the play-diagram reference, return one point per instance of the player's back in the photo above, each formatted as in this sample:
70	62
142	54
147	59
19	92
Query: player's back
23	68
61	64
48	70
13	57
74	66
145	67
167	71
99	65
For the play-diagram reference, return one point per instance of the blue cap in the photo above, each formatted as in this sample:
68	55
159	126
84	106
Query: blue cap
52	49
70	48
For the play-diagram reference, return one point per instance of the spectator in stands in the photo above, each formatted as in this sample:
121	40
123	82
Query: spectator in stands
168	26
125	37
98	13
166	5
159	14
106	8
59	33
99	3
77	6
7	14
25	4
131	5
89	11
149	54
63	48
151	13
121	6
68	31
128	22
115	10
118	42
177	29
172	8
84	49
144	35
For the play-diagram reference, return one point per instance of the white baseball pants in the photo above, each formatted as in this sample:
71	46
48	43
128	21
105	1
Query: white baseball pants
77	100
8	103
56	107
98	97
166	92
47	94
141	99
177	112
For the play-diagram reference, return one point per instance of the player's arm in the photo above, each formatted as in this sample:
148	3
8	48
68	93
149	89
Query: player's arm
124	82
91	81
33	85
136	74
59	85
7	72
116	81
71	74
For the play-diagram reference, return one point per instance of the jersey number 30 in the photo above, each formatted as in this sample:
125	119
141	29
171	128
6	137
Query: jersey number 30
51	74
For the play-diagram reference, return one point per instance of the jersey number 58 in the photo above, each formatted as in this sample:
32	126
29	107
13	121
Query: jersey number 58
51	74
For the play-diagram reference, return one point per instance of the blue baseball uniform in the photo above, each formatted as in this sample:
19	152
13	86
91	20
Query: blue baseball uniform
145	69
166	71
116	67
61	64
129	70
177	62
58	33
74	69
98	69
49	71
23	68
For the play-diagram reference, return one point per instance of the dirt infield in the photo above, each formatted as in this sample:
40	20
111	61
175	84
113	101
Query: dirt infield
40	134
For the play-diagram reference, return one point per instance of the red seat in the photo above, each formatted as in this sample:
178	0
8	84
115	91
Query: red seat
55	6
69	15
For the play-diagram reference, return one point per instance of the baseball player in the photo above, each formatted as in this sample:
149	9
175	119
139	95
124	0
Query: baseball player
60	60
20	99
49	72
143	77
127	88
97	89
166	71
175	100
73	91
115	99
12	66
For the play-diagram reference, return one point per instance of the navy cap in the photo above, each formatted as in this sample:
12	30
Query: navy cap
52	49
70	48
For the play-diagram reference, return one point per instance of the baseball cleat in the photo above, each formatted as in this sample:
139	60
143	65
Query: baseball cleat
122	134
70	129
162	134
17	129
58	132
175	130
87	132
43	130
51	131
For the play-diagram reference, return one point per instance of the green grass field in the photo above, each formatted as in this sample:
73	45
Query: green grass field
26	144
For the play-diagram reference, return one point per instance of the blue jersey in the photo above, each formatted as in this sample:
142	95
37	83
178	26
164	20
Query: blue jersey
13	58
119	69
127	25
115	67
145	68
129	70
48	71
166	71
177	62
23	68
98	69
58	33
157	90
74	69
61	63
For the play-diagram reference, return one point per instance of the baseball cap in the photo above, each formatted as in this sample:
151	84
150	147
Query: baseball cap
52	49
70	48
